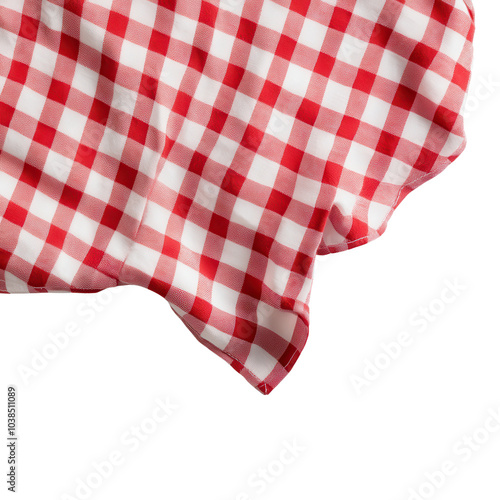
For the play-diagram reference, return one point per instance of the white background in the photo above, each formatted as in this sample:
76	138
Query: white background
378	444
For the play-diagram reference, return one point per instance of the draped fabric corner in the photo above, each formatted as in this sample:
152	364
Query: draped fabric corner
209	150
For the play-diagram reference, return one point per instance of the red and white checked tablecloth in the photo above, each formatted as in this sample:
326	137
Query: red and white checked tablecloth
208	150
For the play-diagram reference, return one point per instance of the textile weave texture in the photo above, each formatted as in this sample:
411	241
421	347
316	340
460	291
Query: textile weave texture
209	150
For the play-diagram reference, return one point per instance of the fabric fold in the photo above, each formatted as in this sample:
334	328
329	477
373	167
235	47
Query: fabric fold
209	151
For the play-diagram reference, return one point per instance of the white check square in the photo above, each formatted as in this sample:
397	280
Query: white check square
133	55
297	80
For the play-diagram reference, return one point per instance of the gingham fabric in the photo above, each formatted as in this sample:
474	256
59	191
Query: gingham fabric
209	150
